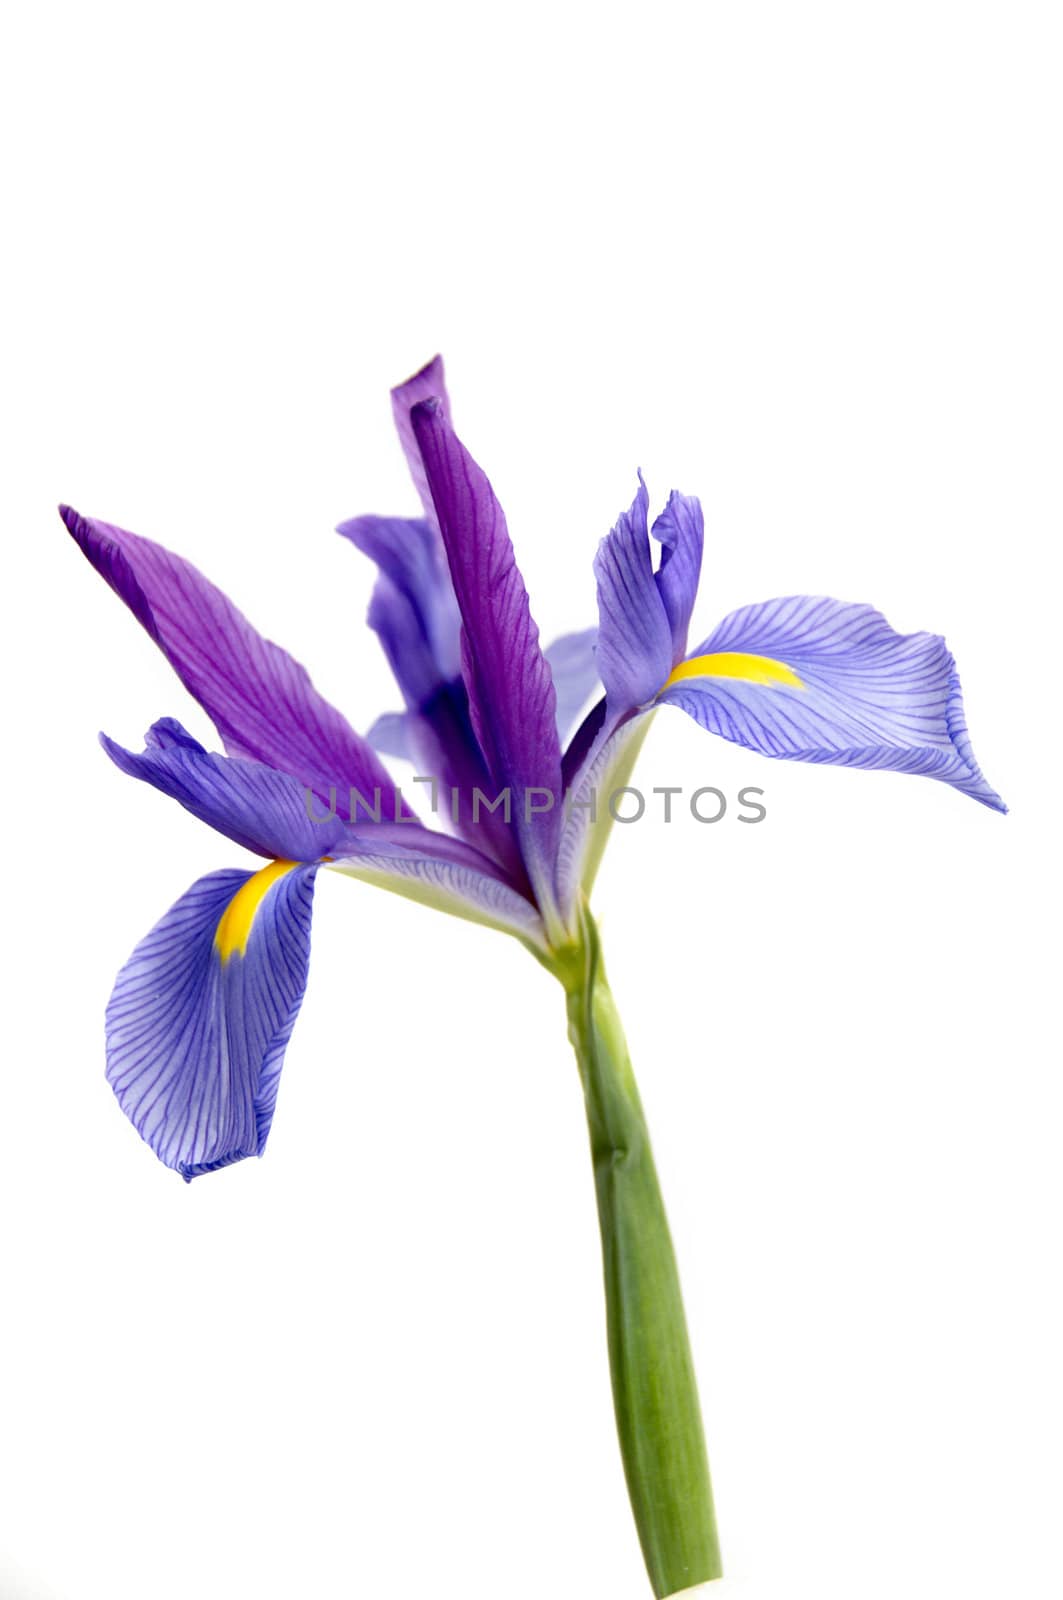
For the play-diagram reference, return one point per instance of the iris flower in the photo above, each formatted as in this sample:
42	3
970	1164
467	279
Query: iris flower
201	1014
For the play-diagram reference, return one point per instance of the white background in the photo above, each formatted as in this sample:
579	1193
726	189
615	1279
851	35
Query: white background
805	261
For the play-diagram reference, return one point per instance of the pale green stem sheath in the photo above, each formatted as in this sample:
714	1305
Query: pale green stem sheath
654	1389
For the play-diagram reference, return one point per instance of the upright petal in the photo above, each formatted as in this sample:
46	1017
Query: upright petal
573	661
250	803
635	652
415	614
261	700
680	528
644	615
427	384
439	740
511	695
413	609
202	1012
810	679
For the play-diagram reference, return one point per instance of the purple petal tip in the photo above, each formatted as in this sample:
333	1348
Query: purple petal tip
432	369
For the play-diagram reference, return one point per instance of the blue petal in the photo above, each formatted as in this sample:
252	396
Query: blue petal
869	697
415	613
413	609
439	740
263	810
195	1042
574	668
681	531
644	615
635	650
261	701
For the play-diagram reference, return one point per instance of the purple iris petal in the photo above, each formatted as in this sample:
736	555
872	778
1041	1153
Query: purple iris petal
261	809
573	661
169	734
443	744
680	528
439	741
869	697
261	700
415	615
644	615
436	733
511	695
413	609
268	811
427	384
635	647
195	1041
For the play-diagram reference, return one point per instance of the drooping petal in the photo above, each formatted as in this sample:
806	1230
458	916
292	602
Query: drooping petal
413	609
202	1012
261	809
635	652
261	700
806	678
511	695
573	661
680	528
427	384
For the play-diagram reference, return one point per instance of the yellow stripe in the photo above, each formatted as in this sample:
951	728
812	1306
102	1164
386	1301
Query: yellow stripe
234	926
732	664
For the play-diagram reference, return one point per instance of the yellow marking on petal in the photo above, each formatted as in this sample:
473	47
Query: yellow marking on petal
234	925
733	664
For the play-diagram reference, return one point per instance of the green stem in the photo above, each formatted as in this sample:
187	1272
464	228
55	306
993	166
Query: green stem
654	1389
